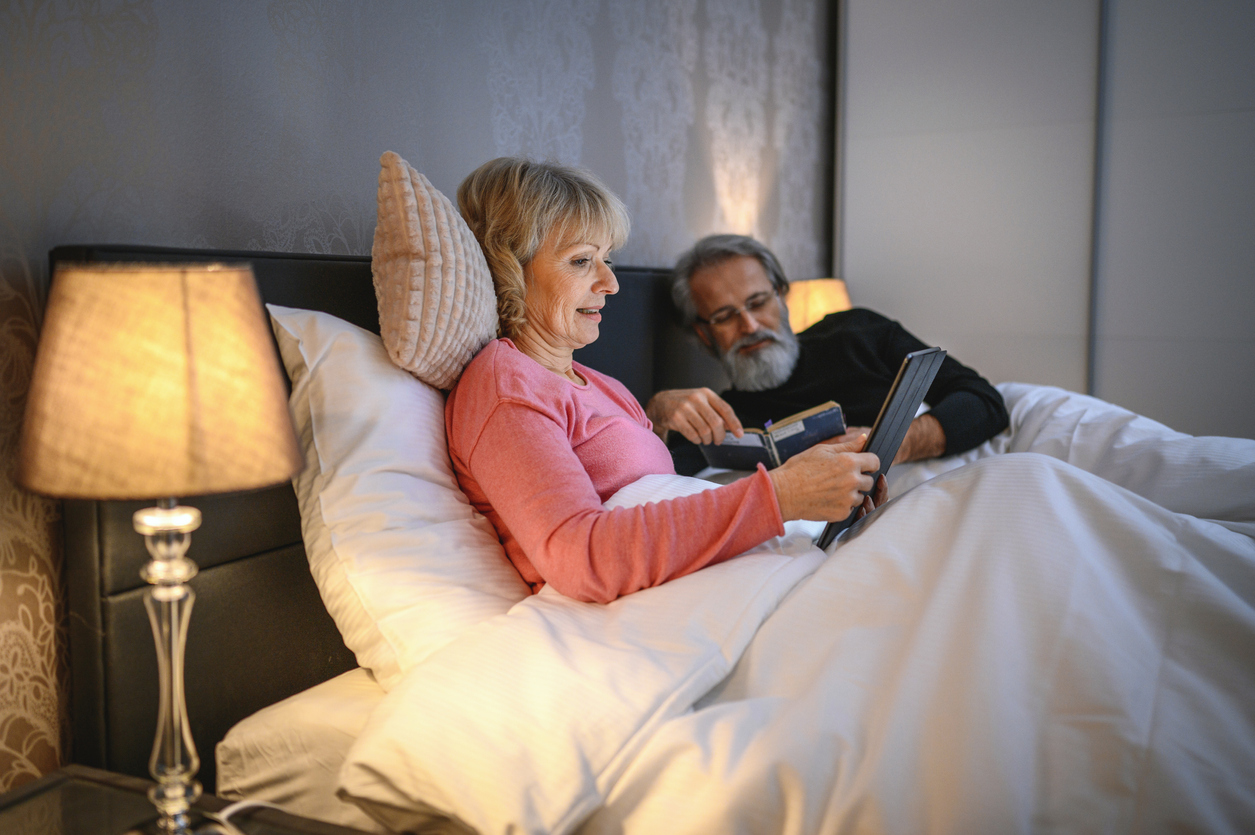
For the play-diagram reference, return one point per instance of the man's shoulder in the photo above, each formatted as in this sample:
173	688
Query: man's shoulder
852	321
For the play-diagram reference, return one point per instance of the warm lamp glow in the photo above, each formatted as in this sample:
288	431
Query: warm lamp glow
152	381
810	301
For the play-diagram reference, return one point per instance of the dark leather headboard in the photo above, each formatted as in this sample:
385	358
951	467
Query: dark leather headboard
259	632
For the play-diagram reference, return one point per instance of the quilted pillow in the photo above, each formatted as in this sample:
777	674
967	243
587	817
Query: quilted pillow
404	564
437	306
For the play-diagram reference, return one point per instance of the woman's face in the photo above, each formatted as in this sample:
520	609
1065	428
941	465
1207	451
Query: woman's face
567	284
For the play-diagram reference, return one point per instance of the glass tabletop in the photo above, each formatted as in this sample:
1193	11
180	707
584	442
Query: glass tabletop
81	801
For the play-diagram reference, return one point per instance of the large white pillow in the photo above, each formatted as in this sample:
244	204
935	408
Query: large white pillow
403	562
437	306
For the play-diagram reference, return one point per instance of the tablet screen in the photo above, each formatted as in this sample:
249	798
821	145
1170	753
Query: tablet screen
905	396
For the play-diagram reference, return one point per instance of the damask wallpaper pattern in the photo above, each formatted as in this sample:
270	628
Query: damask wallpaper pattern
652	82
259	125
734	47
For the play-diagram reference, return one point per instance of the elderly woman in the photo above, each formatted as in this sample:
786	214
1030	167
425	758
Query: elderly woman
539	441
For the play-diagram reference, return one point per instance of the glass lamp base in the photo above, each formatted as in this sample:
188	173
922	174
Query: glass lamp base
174	802
195	823
167	531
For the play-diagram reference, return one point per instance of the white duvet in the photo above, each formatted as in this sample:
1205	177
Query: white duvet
1015	645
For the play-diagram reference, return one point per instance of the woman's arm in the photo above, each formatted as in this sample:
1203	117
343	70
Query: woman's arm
534	481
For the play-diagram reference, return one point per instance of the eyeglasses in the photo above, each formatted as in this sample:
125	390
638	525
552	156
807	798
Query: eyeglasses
753	305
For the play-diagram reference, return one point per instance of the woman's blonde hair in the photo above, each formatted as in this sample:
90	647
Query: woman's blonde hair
512	206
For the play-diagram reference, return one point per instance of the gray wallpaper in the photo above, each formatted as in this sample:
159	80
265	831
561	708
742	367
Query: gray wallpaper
251	124
259	125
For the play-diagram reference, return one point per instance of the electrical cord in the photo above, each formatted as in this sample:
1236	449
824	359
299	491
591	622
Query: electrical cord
220	821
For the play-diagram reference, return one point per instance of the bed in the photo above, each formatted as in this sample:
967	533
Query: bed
1055	632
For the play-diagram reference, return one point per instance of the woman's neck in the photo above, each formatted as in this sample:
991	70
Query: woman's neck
557	360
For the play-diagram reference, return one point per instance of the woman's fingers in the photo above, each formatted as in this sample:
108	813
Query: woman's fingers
825	482
881	493
852	433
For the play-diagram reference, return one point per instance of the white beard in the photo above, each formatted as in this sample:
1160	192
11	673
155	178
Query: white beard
765	368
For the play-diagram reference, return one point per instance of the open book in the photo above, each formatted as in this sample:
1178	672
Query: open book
778	441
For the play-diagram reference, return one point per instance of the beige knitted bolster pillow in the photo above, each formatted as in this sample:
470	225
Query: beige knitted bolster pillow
437	307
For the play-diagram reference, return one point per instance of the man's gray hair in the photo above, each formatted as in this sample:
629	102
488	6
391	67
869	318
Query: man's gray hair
715	249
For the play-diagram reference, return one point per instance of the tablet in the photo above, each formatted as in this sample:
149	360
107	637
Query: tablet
905	396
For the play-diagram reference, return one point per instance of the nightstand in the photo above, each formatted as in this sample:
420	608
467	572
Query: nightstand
77	800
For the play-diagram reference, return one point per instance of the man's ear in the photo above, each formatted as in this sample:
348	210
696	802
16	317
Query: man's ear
703	335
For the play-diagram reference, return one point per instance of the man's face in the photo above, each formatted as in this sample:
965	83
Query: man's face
727	286
746	324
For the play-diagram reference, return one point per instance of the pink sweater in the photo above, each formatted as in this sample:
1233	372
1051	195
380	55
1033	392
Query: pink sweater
538	454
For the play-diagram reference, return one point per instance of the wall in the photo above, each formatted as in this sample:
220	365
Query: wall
259	125
1000	170
969	130
1175	315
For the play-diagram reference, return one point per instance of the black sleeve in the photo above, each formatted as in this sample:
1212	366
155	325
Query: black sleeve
969	409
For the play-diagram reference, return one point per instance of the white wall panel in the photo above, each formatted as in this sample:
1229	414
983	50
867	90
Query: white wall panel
967	180
1175	318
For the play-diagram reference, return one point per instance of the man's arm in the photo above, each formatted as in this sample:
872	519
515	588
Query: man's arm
924	439
698	414
964	408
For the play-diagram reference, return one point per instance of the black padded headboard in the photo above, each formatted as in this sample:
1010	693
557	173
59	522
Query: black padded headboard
259	632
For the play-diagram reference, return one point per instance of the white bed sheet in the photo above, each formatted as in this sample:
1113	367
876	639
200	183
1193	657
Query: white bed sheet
291	752
1014	646
991	671
967	661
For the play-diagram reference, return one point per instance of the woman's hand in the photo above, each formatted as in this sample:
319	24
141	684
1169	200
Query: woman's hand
852	433
827	481
876	498
698	414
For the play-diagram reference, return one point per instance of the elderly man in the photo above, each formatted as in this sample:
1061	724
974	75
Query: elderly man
731	289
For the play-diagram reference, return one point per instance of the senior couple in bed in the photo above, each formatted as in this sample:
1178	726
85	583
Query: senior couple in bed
539	441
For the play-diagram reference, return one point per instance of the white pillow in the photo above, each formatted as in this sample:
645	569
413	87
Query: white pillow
437	306
403	562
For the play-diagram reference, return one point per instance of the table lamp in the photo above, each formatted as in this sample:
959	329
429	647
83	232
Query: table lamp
153	381
813	299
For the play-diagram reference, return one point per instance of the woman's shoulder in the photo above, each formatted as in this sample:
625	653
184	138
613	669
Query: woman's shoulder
498	375
501	372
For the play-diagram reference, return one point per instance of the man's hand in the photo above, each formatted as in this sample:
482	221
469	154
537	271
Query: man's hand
924	439
698	414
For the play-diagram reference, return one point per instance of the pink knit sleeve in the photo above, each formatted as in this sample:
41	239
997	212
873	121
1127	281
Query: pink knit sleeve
525	465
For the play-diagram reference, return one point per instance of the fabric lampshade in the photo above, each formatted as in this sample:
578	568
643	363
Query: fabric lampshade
811	300
155	381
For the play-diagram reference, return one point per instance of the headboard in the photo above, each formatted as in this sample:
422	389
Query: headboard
259	632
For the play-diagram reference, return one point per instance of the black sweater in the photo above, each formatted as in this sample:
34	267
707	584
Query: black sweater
852	357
